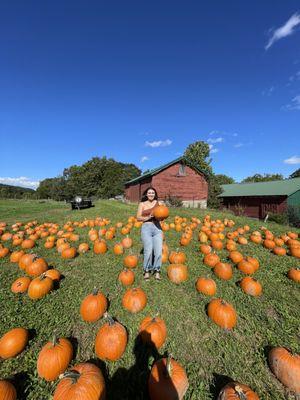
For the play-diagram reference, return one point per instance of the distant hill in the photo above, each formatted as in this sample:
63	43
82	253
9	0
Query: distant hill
15	192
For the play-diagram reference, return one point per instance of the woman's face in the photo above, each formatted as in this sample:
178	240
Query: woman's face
150	194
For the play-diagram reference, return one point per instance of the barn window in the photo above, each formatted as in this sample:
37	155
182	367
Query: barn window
181	171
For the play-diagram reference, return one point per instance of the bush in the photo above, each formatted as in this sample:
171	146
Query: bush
294	216
173	201
279	218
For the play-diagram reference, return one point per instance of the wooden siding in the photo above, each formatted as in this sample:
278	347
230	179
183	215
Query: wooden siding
168	182
256	207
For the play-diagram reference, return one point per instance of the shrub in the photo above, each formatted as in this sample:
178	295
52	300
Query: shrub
173	201
294	215
279	218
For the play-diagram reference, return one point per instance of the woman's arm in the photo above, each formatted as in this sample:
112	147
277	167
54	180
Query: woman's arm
139	216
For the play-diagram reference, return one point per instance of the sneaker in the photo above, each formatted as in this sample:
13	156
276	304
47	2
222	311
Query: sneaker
157	276
146	276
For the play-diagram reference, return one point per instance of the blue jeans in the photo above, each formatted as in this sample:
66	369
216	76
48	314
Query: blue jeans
152	241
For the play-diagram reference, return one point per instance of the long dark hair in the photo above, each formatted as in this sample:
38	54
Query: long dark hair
144	195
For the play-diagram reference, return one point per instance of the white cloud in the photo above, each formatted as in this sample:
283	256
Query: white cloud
268	91
213	149
158	143
294	105
292	160
216	132
144	158
285	30
22	181
237	145
216	140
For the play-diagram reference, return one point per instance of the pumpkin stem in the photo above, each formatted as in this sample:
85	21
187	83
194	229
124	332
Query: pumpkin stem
169	366
54	340
240	392
95	291
74	375
43	276
110	319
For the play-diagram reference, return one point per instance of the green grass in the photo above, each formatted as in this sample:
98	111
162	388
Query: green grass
209	354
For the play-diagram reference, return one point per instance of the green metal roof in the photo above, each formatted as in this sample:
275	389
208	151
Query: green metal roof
285	187
157	170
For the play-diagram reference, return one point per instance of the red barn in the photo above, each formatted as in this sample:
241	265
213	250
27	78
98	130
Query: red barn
257	199
178	178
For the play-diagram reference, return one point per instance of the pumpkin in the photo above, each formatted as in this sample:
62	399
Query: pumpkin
205	249
134	300
222	313
286	367
83	248
111	340
54	274
118	249
294	274
211	259
167	380
279	251
237	391
246	267
13	342
39	287
269	244
28	244
100	247
223	271
126	242
130	261
69	253
177	257
7	390
54	358
93	306
206	286
217	244
295	251
20	285
251	286
4	251
161	212
16	255
37	267
235	256
126	277
253	261
177	273
83	382
153	331
242	240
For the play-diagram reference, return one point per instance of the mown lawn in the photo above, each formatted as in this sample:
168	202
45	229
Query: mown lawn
209	354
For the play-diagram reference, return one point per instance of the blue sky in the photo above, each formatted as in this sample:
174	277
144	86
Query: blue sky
139	81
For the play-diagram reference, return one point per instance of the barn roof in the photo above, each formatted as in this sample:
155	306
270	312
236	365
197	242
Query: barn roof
162	167
284	187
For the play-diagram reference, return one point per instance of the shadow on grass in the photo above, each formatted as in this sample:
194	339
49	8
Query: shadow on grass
132	383
219	381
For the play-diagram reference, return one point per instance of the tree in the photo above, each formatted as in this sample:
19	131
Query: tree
295	174
263	178
224	179
198	154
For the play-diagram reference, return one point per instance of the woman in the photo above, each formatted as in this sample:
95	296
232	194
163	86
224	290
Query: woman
151	233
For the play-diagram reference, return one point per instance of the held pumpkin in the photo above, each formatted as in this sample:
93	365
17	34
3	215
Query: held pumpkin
161	212
93	306
13	342
237	391
286	367
7	390
111	340
167	380
83	382
54	358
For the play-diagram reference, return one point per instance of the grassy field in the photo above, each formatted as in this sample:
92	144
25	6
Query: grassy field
210	355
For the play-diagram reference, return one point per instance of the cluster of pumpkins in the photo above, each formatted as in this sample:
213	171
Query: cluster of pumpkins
167	375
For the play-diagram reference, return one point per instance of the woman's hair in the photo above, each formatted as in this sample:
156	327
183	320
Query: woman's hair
144	195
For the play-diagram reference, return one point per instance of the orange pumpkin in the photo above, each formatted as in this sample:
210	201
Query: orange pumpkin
134	300
223	271
206	286
130	261
153	331
161	212
20	285
13	342
237	391
251	286
294	274
222	313
126	277
93	306
177	273
7	390
211	259
39	287
111	341
100	247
